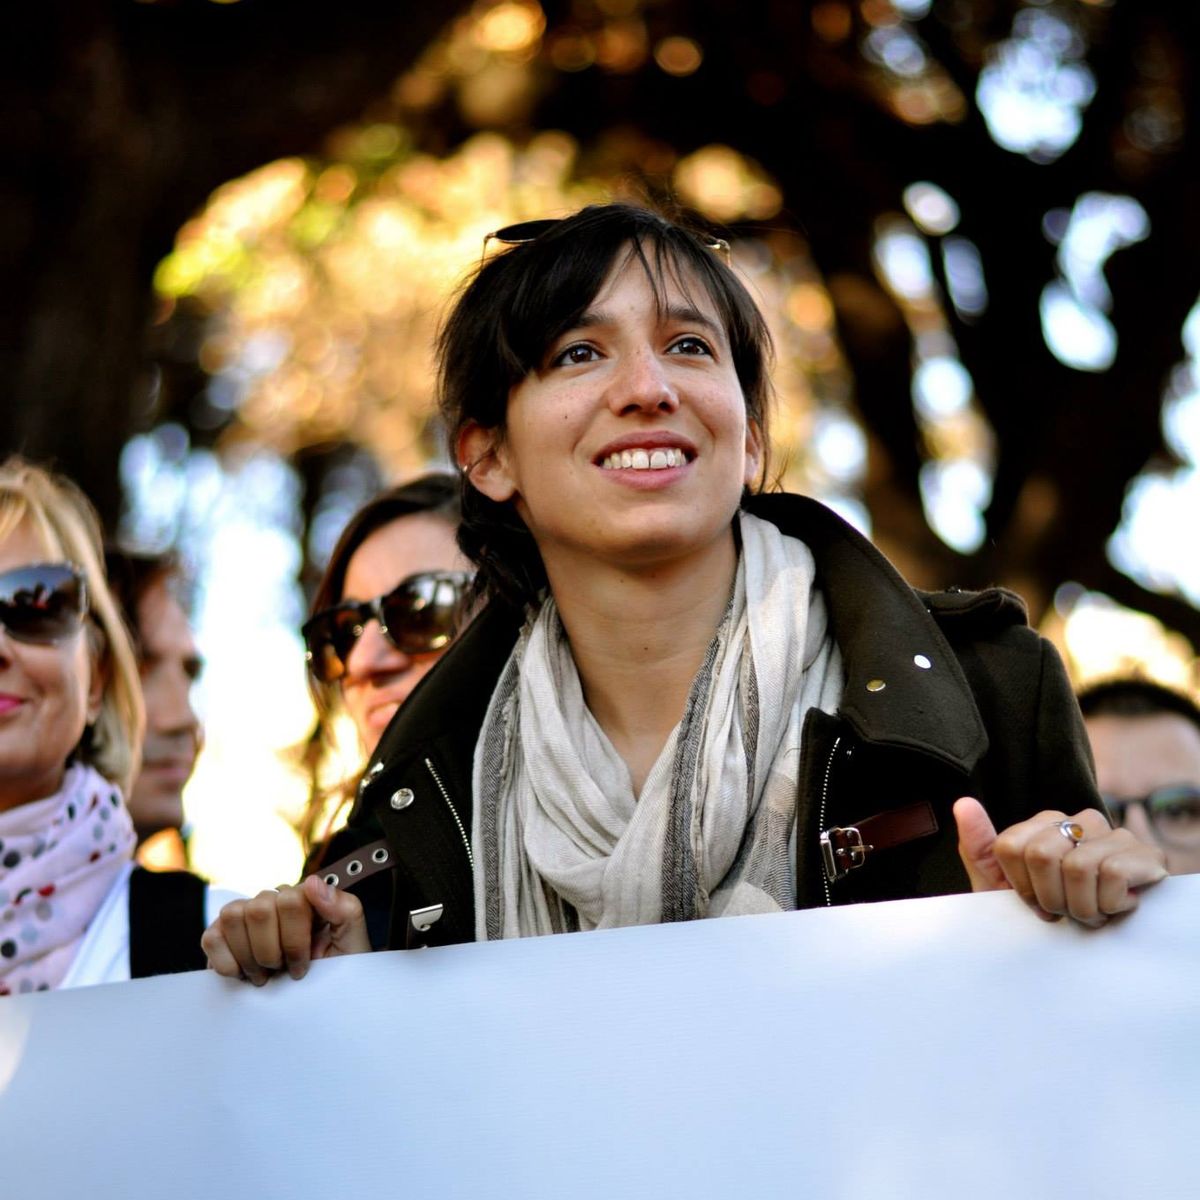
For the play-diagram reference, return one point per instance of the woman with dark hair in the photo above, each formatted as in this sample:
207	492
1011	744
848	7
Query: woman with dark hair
382	615
683	699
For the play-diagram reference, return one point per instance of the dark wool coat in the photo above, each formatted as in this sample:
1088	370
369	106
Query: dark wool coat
947	694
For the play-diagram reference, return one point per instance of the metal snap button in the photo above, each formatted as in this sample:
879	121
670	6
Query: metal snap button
922	662
401	798
875	685
369	776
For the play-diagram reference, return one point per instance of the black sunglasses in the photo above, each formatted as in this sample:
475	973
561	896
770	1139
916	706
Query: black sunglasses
530	231
1173	812
419	615
43	602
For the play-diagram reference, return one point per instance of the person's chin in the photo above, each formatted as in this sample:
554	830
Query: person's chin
380	717
155	808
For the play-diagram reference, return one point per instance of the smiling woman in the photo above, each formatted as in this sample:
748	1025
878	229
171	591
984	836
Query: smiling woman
683	700
72	910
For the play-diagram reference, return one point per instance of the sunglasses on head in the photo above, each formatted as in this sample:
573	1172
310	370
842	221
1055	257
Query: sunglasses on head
42	602
530	231
418	616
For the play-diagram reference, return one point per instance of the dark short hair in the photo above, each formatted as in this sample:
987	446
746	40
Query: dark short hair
131	576
520	301
1133	697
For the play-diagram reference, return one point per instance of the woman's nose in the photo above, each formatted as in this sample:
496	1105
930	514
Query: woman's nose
641	383
373	652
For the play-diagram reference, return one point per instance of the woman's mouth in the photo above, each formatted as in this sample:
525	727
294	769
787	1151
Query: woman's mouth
644	459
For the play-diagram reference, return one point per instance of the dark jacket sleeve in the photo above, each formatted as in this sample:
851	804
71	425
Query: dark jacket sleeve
1038	756
1066	773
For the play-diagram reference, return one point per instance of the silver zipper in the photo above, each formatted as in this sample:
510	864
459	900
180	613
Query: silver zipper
837	741
462	833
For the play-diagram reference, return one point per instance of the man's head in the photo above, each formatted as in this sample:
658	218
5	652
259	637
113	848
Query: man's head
1146	742
169	664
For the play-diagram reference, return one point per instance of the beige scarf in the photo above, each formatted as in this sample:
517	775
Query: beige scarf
562	843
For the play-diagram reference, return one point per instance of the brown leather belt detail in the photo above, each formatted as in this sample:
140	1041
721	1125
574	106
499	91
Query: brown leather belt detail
362	864
845	847
370	860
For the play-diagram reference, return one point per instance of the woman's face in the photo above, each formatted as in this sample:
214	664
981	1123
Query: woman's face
379	677
630	443
48	693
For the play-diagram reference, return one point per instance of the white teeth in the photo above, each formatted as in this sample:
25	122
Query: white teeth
644	460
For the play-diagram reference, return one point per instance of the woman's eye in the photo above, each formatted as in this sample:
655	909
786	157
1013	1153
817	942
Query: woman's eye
690	345
579	352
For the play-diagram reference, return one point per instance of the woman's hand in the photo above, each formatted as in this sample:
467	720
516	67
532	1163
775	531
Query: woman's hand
285	929
1089	880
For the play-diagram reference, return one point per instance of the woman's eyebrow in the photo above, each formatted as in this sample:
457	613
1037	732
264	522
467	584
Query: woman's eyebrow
686	314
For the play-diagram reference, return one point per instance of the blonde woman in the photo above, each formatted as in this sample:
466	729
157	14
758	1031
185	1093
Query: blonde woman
73	910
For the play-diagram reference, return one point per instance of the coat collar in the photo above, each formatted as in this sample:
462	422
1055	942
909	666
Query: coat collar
885	633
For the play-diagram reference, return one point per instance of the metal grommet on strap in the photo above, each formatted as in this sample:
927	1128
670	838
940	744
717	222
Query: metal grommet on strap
358	865
401	798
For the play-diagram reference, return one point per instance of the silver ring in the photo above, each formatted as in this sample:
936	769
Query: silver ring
1071	830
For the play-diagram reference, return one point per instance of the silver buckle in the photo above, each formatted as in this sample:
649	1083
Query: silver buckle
842	849
420	922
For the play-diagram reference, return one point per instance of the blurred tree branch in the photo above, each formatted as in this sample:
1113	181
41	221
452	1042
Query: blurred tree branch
117	120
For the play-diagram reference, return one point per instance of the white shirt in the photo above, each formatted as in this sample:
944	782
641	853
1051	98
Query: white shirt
103	955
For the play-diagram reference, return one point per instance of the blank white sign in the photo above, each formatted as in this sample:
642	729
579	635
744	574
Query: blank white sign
955	1047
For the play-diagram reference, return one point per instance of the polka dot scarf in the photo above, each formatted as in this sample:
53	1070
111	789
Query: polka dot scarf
59	857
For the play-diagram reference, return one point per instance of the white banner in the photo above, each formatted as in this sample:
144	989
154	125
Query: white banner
954	1047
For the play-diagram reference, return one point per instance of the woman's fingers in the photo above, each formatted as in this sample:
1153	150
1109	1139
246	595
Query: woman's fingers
215	942
1089	879
1131	864
294	916
345	926
254	939
976	845
262	929
227	943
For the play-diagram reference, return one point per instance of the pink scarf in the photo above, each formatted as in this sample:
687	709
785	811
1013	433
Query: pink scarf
59	858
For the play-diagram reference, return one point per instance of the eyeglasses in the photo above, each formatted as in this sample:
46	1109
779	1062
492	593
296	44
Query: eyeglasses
530	231
418	616
1173	812
43	602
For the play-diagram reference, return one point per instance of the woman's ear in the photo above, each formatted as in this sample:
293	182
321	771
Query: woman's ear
480	455
754	453
97	679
